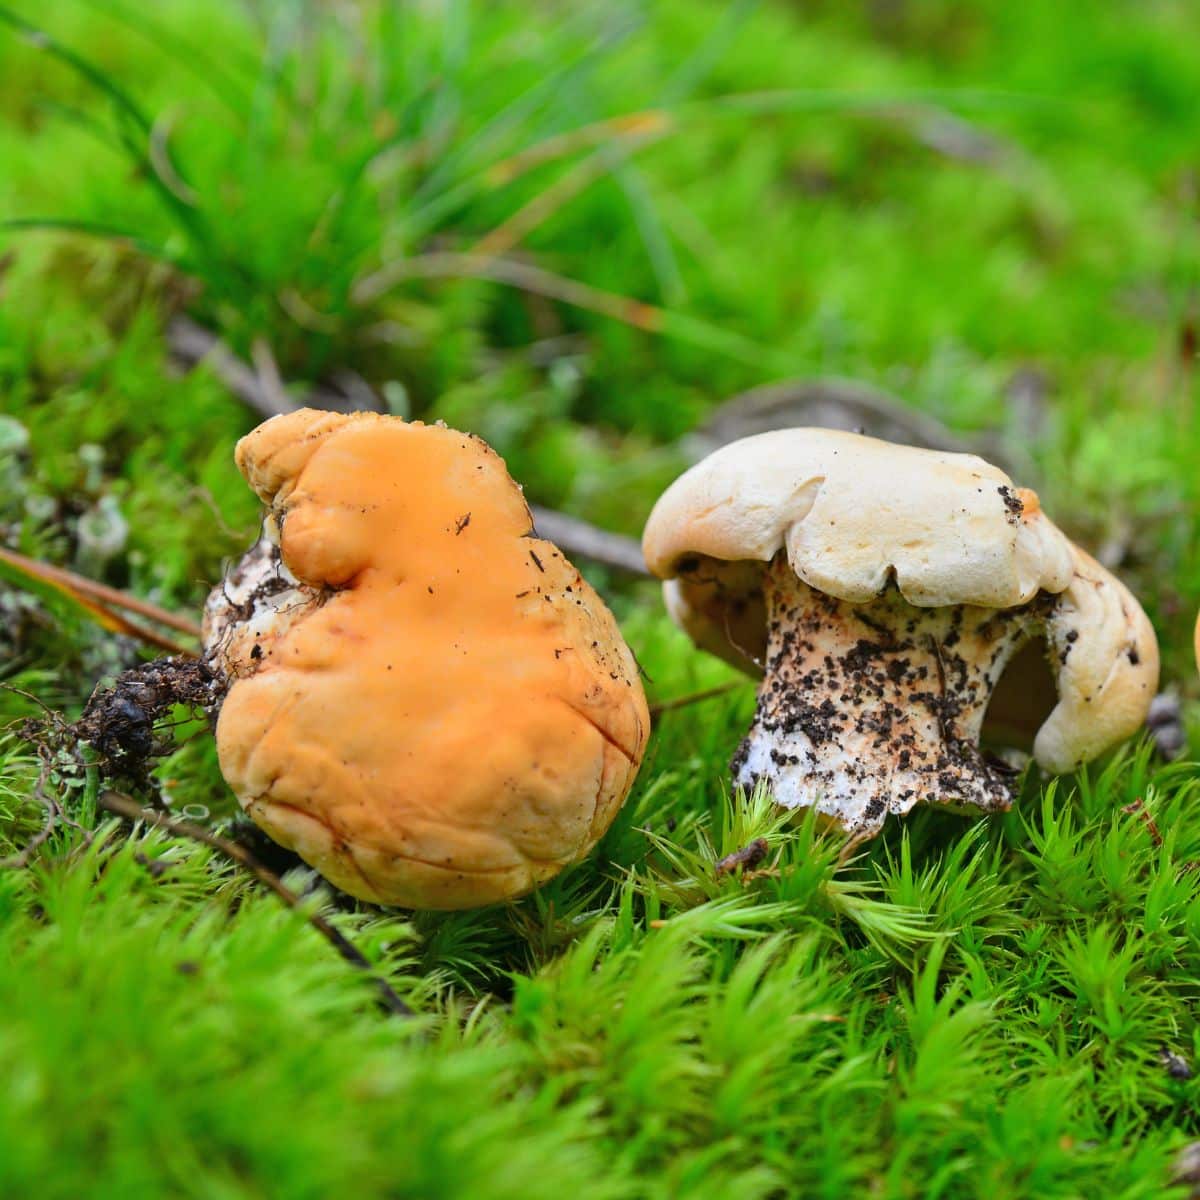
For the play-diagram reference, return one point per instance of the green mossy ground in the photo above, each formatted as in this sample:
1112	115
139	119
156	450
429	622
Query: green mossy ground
938	198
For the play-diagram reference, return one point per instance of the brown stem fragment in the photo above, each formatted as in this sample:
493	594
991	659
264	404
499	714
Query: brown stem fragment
1138	809
748	857
665	706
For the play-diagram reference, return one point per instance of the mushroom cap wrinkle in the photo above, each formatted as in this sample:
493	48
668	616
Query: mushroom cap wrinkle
1107	667
856	518
441	713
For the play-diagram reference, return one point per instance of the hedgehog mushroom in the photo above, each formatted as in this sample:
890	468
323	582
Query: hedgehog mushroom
425	701
882	591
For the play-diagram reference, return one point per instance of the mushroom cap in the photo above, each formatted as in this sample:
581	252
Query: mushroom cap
1196	639
459	718
853	511
852	514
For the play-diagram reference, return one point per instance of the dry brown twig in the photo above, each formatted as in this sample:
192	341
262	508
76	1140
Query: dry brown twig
747	859
513	273
102	599
1138	809
656	710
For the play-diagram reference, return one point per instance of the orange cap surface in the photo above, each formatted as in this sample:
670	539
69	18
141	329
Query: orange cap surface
460	717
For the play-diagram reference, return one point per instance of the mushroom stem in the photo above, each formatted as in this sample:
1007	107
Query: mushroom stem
869	708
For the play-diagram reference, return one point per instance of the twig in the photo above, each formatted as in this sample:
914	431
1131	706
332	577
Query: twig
192	344
1138	809
270	382
657	710
579	537
100	591
131	810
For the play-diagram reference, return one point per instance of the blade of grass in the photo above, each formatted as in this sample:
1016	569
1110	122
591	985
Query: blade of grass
687	77
93	229
210	71
435	189
648	124
650	229
610	159
507	271
657	122
699	64
549	201
85	121
648	317
158	151
41	40
136	132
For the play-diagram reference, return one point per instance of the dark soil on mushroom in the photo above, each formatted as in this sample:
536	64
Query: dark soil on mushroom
840	708
118	720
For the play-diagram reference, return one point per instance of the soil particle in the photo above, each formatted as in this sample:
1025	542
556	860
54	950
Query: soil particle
119	720
1012	503
747	858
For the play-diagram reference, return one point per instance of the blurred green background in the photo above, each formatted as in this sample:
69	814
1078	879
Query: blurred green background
580	230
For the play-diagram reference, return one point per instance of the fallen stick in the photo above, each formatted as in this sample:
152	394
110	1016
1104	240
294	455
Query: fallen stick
722	689
577	537
100	591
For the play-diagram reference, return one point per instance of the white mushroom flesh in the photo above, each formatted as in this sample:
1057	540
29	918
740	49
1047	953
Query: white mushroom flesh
255	605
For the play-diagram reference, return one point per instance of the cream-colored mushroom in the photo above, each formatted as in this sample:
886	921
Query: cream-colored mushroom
882	591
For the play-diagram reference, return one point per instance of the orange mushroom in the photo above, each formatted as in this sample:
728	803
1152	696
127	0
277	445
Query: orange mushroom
426	702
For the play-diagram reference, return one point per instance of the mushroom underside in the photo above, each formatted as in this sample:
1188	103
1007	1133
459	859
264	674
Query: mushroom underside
869	708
